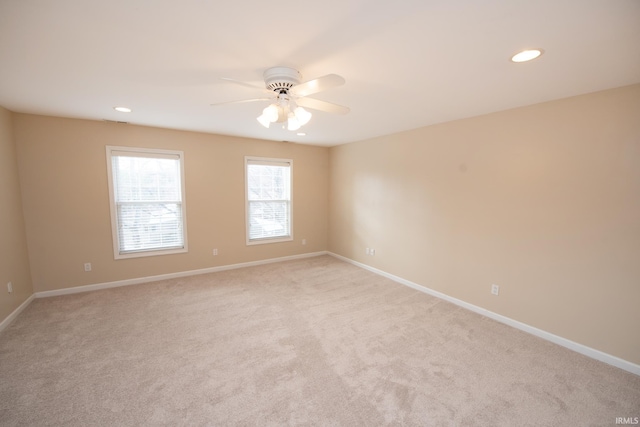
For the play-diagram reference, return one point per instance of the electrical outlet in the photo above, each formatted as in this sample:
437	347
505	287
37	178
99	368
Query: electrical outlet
215	251
304	241
495	289
87	266
372	251
367	251
9	287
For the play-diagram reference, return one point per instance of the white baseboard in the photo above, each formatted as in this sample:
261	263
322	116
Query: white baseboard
10	318
138	280
579	348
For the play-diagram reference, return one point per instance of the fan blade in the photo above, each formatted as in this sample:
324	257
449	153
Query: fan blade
317	85
245	84
316	104
241	102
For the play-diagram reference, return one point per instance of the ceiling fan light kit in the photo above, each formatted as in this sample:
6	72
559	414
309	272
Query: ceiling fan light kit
284	109
291	97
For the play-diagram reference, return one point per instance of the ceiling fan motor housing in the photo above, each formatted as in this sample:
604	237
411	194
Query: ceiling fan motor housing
281	79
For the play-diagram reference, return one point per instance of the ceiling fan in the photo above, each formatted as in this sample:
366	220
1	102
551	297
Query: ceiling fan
288	97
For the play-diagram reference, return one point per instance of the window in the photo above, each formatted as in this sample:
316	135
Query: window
268	196
146	190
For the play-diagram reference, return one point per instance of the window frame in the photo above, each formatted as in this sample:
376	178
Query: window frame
148	153
274	162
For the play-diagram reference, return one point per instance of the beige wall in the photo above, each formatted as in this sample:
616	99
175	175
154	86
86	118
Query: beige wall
14	260
63	173
543	201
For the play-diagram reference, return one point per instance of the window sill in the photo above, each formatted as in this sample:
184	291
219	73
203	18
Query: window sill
269	240
147	253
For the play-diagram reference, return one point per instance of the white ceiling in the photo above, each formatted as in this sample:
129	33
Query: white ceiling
407	63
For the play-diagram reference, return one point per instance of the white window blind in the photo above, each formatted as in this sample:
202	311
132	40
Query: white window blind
147	201
268	191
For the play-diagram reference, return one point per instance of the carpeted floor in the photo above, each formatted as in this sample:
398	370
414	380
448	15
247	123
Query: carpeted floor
307	342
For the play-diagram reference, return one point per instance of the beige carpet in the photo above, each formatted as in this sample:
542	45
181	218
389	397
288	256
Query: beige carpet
307	342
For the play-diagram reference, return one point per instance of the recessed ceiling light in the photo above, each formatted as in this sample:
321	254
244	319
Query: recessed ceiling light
301	134
122	109
526	55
